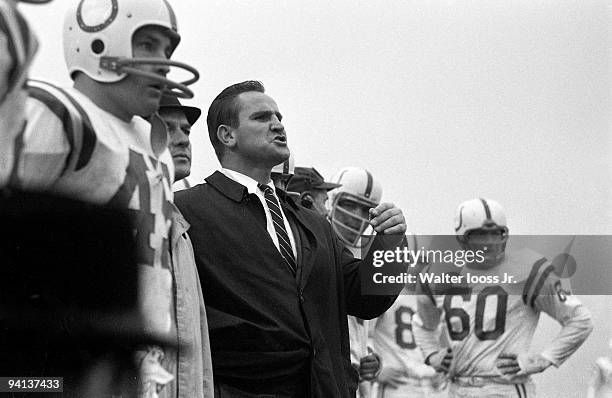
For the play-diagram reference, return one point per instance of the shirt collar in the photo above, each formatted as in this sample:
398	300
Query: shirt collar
246	181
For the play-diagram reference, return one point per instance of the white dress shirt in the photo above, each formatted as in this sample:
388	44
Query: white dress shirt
252	188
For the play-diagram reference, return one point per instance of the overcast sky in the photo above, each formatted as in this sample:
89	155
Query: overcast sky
441	100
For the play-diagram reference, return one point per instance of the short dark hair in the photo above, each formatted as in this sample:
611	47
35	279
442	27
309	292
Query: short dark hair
225	110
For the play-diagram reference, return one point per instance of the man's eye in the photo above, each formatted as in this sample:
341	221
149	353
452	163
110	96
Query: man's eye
147	46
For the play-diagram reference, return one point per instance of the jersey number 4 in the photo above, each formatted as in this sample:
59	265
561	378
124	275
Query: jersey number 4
464	319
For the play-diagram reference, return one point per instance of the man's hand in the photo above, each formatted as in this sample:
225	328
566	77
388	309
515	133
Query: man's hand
392	377
521	365
440	360
368	367
388	219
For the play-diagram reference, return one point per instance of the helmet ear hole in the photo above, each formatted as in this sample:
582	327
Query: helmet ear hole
97	46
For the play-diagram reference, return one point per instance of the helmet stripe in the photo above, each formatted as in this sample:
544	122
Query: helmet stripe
486	208
74	123
368	190
103	25
340	176
460	219
172	16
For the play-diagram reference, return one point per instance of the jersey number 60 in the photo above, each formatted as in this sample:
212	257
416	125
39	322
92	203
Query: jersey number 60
481	300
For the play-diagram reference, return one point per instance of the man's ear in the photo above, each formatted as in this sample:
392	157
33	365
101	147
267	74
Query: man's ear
306	200
225	135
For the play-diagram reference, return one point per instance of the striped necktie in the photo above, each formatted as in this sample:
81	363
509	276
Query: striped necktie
284	243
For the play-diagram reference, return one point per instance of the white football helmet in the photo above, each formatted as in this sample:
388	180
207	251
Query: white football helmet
98	40
480	224
282	172
351	202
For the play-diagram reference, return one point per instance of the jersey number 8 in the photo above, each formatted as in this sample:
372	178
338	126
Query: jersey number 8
403	330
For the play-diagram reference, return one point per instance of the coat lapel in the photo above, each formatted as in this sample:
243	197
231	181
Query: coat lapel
227	186
308	242
179	226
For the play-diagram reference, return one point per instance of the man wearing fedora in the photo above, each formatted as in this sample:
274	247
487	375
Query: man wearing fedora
192	363
312	187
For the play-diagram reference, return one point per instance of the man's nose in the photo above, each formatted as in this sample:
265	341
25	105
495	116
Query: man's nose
180	138
277	125
162	70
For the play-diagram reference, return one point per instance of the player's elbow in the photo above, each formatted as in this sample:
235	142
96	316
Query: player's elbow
583	321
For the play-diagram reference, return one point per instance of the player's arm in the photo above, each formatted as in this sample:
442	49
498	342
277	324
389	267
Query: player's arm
6	64
17	48
546	293
426	323
44	149
370	362
18	45
427	331
574	318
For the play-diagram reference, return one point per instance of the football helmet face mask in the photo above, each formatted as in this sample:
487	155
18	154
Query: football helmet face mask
480	224
351	203
282	172
98	35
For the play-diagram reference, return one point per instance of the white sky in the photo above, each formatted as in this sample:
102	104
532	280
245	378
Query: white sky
442	100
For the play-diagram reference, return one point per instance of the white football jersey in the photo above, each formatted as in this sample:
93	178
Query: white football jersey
17	48
499	318
602	387
358	338
394	341
72	147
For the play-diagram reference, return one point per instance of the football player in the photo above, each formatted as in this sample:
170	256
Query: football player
18	46
350	205
490	326
89	142
404	373
351	201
